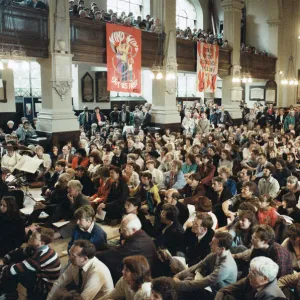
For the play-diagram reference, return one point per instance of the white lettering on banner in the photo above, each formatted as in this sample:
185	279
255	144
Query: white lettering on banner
125	85
119	36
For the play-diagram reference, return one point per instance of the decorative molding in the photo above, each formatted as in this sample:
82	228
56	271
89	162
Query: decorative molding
232	5
62	88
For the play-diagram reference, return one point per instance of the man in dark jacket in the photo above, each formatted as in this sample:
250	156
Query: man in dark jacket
120	158
124	116
136	242
114	116
147	118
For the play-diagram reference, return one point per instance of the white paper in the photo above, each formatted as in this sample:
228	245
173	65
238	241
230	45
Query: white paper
28	164
182	260
10	178
191	209
60	224
38	199
43	215
101	216
27	210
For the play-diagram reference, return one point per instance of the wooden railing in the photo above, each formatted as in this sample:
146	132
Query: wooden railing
26	27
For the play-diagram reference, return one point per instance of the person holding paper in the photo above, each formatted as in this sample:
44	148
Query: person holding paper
44	168
87	229
10	159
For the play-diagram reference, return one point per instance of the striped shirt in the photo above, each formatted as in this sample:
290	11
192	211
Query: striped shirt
44	261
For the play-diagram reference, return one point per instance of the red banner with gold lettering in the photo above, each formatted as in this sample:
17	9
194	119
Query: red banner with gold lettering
123	47
207	67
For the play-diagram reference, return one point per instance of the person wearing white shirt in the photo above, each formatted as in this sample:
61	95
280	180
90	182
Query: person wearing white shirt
9	160
157	175
90	276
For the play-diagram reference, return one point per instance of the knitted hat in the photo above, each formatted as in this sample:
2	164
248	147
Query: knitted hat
290	199
203	204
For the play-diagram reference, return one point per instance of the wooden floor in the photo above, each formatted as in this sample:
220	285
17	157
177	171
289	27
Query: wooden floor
61	245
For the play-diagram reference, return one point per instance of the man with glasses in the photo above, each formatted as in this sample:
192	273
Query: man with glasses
91	278
36	267
261	283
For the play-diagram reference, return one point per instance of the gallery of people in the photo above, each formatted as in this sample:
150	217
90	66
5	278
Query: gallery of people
149	149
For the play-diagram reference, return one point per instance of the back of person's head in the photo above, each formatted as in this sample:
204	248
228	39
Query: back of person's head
139	268
135	201
265	266
165	287
47	234
62	163
146	174
293	232
84	212
203	204
76	185
207	221
81	151
265	233
88	249
172	212
104	172
132	222
246	205
71	172
224	239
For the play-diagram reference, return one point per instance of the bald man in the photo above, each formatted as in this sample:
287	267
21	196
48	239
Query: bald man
136	242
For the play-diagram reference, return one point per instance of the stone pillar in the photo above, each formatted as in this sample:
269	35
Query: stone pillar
164	112
231	92
157	9
57	116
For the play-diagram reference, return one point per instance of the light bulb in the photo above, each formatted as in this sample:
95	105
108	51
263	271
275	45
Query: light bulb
295	82
250	80
159	76
152	76
244	80
291	82
1	65
11	64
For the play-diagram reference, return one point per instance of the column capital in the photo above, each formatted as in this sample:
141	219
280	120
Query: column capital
274	22
232	5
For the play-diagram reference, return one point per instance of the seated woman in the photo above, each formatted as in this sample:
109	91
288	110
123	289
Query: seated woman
135	282
12	227
289	207
104	187
205	168
95	163
225	173
190	166
52	202
131	176
242	231
43	171
174	179
293	186
225	160
282	172
80	159
292	243
9	160
266	213
119	192
85	180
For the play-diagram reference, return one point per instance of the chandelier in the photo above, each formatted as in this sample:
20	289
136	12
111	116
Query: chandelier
289	77
10	49
244	77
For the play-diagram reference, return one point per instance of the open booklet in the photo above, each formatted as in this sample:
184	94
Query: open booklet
28	164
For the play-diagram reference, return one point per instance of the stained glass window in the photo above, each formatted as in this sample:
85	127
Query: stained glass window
27	80
186	15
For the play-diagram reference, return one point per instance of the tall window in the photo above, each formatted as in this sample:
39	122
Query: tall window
127	6
186	15
27	80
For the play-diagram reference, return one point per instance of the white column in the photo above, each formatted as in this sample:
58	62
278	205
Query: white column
56	75
232	33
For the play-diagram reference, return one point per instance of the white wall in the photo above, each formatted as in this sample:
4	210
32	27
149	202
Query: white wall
10	106
257	30
102	4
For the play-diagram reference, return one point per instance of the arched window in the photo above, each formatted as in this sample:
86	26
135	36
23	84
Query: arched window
118	6
186	15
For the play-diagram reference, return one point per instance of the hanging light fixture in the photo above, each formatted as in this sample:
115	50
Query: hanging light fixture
236	74
289	77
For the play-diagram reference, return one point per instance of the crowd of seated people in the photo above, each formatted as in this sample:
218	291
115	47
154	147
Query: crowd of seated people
208	211
94	12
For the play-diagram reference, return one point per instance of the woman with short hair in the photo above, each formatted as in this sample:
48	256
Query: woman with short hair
135	284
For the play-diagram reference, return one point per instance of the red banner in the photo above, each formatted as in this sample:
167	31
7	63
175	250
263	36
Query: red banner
123	47
207	67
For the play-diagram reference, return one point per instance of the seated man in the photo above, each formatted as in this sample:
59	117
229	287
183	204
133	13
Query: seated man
171	197
261	283
87	229
196	239
36	267
171	232
89	275
216	271
268	185
263	241
136	242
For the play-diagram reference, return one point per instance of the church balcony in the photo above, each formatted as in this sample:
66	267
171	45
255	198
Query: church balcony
26	27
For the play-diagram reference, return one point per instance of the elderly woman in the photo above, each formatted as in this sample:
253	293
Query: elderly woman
45	166
10	127
135	284
188	124
10	160
174	178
